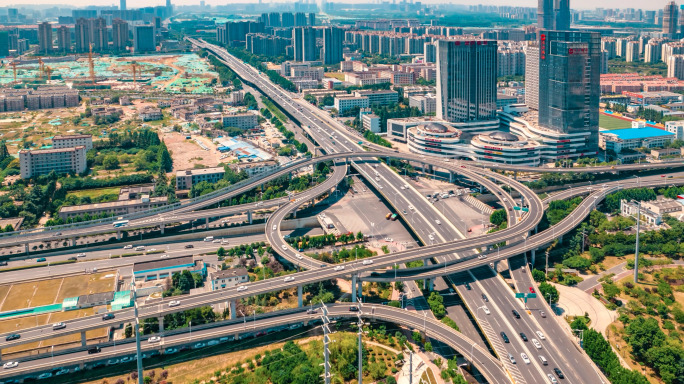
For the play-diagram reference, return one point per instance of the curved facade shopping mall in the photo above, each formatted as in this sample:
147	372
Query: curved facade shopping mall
442	140
436	139
505	148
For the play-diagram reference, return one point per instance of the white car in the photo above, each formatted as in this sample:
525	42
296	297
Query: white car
154	339
151	249
284	247
289	278
438	222
552	379
216	241
511	358
164	256
486	310
299	256
431	237
81	255
242	288
129	246
174	303
339	268
275	227
411	207
10	364
388	239
536	343
541	335
367	262
525	358
402	187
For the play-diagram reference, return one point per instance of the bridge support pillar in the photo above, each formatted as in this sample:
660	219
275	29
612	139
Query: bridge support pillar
425	281
160	320
431	170
300	296
515	175
522	202
206	222
83	339
249	217
26	248
161	228
73	242
233	315
496	266
353	287
294	213
451	177
431	284
533	255
118	235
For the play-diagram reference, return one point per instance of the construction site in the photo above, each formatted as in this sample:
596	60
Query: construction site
178	73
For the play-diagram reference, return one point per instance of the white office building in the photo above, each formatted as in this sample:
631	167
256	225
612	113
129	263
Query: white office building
43	161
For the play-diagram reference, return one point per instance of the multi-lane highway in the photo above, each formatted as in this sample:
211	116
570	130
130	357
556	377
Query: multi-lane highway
214	334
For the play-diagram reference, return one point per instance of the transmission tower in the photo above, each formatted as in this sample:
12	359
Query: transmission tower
326	341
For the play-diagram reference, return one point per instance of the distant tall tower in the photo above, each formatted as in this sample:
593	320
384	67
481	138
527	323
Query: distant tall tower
169	8
545	14
122	5
119	34
63	39
82	35
45	37
670	19
562	13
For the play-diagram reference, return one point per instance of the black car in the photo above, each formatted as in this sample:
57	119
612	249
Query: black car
467	286
559	373
189	246
516	314
353	308
107	316
523	336
92	350
72	259
3	263
13	336
504	337
484	297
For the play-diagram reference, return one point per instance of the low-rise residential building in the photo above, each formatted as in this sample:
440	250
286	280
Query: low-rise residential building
106	111
676	128
661	153
344	104
151	114
41	98
255	168
383	97
243	120
71	141
307	73
185	179
631	209
633	138
427	104
158	269
43	161
113	208
371	122
228	278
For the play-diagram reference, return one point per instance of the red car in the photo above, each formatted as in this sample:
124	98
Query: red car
531	290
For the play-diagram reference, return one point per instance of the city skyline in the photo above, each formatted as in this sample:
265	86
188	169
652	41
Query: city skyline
575	4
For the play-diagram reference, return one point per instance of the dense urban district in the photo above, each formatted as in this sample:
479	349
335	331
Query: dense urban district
325	192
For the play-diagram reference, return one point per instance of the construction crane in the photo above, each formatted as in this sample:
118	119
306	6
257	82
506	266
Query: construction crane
41	68
91	65
48	72
14	69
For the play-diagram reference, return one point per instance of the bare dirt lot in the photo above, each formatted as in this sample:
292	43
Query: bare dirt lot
187	153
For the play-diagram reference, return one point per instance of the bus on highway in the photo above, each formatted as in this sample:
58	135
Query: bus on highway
120	223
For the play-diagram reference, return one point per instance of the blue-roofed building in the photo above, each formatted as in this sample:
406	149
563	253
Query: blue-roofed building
633	138
160	269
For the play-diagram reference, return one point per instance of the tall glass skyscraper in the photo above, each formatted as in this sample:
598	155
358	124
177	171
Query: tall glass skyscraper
466	80
569	83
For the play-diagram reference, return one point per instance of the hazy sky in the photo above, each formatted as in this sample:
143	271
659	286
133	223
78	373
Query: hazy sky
579	4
